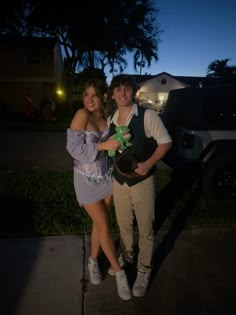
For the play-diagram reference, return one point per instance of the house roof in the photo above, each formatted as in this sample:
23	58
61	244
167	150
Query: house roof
143	77
189	80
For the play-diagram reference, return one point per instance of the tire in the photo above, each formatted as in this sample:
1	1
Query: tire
219	176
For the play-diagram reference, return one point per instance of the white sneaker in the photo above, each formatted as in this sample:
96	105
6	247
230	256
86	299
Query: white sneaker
141	283
123	288
111	271
94	271
123	264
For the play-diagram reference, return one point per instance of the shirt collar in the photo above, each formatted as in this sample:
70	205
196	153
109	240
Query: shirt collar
134	111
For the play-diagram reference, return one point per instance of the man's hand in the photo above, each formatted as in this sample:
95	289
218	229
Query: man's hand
143	168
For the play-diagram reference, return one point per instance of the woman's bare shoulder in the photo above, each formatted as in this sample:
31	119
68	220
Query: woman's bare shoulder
80	120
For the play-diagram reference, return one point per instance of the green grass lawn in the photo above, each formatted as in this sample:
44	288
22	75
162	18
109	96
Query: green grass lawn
45	204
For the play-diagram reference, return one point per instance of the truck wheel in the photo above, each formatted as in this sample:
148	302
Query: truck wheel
219	176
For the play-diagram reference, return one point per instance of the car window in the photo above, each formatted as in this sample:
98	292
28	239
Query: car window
201	109
220	110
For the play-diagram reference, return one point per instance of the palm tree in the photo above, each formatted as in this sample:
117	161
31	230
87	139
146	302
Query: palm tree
217	69
114	61
144	56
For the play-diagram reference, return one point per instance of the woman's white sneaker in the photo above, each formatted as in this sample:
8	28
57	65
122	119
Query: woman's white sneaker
123	264
123	288
111	271
95	276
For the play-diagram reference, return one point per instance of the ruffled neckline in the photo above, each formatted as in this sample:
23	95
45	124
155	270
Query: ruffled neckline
89	131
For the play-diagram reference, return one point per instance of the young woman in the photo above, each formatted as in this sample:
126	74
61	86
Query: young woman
88	143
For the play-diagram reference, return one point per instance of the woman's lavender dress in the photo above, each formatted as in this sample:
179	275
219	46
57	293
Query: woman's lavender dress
93	171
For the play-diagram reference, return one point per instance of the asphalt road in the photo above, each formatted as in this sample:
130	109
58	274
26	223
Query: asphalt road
27	150
36	150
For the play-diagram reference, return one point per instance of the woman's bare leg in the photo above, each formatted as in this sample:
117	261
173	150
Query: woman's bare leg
98	213
95	245
107	202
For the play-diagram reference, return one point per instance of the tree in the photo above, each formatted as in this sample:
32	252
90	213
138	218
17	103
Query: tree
219	71
97	35
146	47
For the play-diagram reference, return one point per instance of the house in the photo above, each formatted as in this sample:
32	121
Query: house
31	71
153	90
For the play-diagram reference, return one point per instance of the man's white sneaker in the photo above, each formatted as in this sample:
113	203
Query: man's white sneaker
141	283
94	271
123	288
123	264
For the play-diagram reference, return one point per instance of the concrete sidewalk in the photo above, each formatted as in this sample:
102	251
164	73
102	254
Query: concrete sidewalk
194	273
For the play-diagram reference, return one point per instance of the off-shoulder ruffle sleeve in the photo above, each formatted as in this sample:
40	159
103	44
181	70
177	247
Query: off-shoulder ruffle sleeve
78	149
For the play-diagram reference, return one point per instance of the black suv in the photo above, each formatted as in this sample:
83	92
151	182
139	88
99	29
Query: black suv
202	123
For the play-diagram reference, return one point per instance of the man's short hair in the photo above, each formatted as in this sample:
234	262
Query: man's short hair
123	79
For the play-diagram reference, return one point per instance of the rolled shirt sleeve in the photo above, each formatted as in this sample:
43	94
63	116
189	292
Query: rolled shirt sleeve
155	128
78	149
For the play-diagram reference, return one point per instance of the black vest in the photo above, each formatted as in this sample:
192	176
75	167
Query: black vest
142	148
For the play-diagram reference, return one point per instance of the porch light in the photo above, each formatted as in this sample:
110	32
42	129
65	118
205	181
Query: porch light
60	92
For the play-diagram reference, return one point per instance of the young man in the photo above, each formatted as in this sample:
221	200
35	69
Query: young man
135	194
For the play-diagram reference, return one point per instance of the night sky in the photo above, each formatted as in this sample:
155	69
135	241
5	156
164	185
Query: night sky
195	34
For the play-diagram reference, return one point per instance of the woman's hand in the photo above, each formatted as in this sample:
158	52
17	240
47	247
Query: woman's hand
109	144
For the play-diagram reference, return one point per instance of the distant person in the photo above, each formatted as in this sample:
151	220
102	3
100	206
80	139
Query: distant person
29	106
134	193
88	142
47	109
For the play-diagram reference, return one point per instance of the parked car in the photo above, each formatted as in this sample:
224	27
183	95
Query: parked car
202	123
